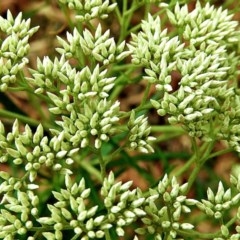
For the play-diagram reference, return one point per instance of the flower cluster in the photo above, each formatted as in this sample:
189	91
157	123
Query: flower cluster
160	212
97	120
71	212
204	24
19	213
220	202
202	54
79	89
139	133
82	101
81	96
124	206
230	121
165	208
215	203
100	46
89	9
14	48
156	52
32	151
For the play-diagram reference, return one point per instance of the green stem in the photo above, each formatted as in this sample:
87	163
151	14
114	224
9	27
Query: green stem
167	132
167	129
118	150
119	85
197	235
193	159
200	162
123	67
146	106
103	168
24	119
168	136
146	93
147	9
193	176
65	10
221	152
232	221
75	237
185	167
102	164
90	169
35	101
166	237
123	22
195	149
107	235
117	11
126	17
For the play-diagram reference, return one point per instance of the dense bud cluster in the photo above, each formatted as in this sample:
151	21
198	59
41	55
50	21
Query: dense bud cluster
13	48
203	57
89	9
139	133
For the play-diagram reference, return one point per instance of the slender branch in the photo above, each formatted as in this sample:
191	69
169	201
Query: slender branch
24	119
93	171
197	235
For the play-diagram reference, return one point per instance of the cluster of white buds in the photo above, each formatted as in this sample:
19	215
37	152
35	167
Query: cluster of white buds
220	202
96	119
164	208
139	131
79	85
71	212
14	48
89	9
204	24
82	101
19	213
230	121
206	63
100	46
156	52
124	206
32	151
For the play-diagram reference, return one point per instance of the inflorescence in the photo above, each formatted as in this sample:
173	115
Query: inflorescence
202	51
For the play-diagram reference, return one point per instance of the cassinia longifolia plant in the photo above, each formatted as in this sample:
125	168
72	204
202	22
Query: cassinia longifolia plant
44	195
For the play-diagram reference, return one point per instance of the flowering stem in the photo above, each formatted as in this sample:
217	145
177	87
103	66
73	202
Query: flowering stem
200	162
75	237
93	171
125	18
120	86
146	93
185	167
107	235
102	165
219	153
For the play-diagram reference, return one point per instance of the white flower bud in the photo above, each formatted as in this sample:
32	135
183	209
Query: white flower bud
186	226
120	231
224	231
98	143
